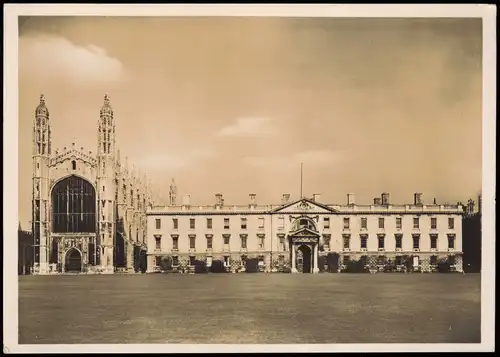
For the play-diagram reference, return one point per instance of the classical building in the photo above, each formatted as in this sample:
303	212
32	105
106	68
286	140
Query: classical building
297	235
88	211
471	228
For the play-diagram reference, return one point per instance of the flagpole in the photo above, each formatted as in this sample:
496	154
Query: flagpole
301	179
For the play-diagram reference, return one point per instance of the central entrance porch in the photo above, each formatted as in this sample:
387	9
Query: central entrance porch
305	251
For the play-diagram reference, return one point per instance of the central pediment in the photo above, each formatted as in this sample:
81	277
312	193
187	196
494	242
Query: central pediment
305	205
73	154
304	232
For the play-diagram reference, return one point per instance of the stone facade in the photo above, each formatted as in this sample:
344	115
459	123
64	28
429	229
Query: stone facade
292	236
88	210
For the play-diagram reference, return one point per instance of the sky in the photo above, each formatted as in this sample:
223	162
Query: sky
235	105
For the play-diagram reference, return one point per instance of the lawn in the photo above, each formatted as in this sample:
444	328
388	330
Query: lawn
250	308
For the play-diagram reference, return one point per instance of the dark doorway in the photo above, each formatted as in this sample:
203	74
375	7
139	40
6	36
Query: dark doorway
73	261
306	258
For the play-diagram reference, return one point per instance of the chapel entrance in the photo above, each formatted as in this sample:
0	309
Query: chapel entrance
304	258
73	261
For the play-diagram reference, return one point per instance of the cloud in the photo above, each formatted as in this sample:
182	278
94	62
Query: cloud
312	157
249	126
50	56
173	161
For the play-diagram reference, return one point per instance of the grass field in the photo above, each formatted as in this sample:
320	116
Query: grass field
250	308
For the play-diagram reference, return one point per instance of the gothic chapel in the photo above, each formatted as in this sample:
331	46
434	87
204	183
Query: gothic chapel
88	211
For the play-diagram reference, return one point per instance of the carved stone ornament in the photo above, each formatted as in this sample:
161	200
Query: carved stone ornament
303	206
304	239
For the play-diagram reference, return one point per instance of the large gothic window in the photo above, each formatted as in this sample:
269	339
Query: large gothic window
73	206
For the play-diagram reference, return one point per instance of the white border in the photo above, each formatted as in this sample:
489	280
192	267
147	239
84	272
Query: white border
12	11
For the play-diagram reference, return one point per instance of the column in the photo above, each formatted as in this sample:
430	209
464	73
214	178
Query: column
315	259
294	268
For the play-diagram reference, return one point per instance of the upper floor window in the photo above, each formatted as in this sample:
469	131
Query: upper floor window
416	222
261	222
433	241
451	241
381	223
175	223
175	243
73	165
243	223
347	241
192	242
209	242
191	223
364	223
226	240
244	242
381	241
158	223
226	223
326	222
281	222
416	242
209	223
451	223
399	222
364	242
347	222
282	243
158	242
433	223
399	241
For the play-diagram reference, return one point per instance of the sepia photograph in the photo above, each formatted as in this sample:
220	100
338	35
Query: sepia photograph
249	178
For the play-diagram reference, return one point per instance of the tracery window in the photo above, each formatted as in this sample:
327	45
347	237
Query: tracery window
73	206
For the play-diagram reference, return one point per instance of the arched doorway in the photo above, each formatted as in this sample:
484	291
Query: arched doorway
73	261
304	259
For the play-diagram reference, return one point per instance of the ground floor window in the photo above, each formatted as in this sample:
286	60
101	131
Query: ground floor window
243	260
363	260
226	261
209	261
191	260
399	260
158	261
434	260
175	261
346	259
381	260
415	261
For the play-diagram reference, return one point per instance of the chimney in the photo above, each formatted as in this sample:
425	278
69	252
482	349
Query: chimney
285	198
316	197
350	199
435	202
470	207
186	200
218	199
377	201
385	198
417	198
252	198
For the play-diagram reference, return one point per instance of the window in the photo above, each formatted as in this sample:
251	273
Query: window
192	242
364	240
345	259
451	223
451	241
261	222
209	262
175	243
192	260
364	223
416	242
158	223
191	223
157	261
434	260
416	222
73	165
209	242
209	223
158	242
175	222
326	222
226	261
399	260
433	241
226	240
433	223
399	222
326	240
381	260
347	241
226	223
244	242
281	222
282	244
175	261
381	223
261	242
363	260
243	223
347	222
381	241
399	241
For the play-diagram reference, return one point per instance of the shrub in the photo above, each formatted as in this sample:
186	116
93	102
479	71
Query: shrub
165	264
332	260
322	263
389	266
252	265
355	266
217	267
444	266
200	266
